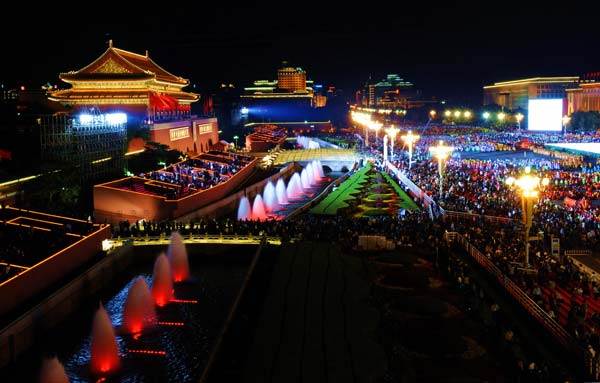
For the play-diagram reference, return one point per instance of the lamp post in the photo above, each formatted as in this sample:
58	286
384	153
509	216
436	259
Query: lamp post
376	126
565	120
529	192
519	118
235	138
442	152
392	132
410	139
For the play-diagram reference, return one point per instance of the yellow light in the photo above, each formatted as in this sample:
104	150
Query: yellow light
410	138
432	113
441	151
457	113
467	114
392	132
566	120
447	113
501	116
519	117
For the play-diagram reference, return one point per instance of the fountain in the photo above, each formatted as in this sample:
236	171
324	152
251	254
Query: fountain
244	210
310	173
281	192
177	254
317	170
53	371
139	311
104	351
162	284
294	187
304	179
258	208
269	197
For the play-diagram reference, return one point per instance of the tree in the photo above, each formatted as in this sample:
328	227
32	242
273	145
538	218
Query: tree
584	122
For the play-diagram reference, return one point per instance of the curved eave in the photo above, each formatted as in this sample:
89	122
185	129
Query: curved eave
116	94
184	96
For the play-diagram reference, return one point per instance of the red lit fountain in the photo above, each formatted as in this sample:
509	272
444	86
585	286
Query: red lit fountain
178	258
162	285
52	371
139	312
104	350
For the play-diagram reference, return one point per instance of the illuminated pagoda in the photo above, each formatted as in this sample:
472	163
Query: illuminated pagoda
127	82
153	99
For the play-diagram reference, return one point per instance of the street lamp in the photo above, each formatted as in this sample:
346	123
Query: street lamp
410	139
376	126
235	138
519	118
442	152
432	114
392	132
528	184
565	120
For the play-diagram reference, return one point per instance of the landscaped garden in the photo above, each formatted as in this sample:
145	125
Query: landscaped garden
368	192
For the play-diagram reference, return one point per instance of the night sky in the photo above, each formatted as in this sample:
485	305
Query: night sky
449	51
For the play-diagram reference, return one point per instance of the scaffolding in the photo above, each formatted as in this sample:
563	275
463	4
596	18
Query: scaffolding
94	144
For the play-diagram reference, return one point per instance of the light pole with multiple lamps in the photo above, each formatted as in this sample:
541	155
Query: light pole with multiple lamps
442	152
529	185
392	132
376	126
235	138
410	139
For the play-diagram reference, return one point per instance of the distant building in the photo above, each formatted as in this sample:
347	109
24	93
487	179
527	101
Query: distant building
153	99
516	94
291	79
586	97
393	92
289	98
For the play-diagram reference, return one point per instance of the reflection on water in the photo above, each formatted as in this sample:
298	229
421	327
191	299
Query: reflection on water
176	350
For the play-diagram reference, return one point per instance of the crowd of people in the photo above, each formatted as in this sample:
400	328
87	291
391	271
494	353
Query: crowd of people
198	173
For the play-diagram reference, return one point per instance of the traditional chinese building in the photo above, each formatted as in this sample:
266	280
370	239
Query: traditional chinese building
127	82
152	98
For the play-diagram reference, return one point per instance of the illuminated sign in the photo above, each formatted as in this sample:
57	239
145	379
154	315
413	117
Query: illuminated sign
179	133
204	128
108	118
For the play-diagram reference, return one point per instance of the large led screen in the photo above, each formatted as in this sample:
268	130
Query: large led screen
545	114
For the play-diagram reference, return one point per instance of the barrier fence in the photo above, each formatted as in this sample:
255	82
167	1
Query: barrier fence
202	238
560	334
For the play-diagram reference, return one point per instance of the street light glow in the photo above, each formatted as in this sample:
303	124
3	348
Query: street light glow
528	184
392	132
442	152
410	139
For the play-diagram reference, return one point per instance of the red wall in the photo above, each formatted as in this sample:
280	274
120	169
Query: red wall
171	134
32	281
112	204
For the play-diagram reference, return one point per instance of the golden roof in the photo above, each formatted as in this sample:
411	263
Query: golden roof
117	63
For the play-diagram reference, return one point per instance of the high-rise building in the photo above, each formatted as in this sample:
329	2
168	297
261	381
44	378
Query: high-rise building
393	92
515	94
289	98
291	79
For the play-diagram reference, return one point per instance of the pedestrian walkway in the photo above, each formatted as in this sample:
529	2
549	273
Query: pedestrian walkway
315	324
323	154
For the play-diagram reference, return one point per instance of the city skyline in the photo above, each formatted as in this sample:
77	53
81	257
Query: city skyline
446	51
